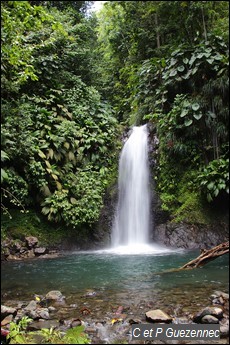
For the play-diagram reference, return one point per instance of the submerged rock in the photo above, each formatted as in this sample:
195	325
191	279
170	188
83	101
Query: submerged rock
55	295
158	315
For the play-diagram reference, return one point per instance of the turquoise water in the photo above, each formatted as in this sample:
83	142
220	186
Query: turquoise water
116	277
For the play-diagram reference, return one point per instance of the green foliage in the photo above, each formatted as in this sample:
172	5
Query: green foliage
4	156
192	209
76	336
136	40
18	19
81	202
19	335
192	121
17	225
66	77
57	132
214	178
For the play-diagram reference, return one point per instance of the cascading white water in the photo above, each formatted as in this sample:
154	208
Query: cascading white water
132	220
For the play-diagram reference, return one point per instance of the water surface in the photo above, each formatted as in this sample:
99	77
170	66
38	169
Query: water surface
118	278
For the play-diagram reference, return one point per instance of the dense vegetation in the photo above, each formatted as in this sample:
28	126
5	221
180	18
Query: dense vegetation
71	82
58	135
170	63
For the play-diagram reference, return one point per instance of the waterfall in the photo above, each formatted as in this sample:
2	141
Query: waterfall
132	220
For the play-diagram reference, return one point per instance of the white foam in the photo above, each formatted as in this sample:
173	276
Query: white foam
138	249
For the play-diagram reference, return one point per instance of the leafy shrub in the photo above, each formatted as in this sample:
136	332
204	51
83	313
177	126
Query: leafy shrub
214	178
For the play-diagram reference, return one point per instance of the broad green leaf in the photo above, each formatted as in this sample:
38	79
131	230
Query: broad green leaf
210	186
209	197
41	154
66	145
181	68
188	122
45	210
54	177
71	156
4	156
198	116
211	114
173	73
59	186
216	192
48	164
4	175
195	106
184	112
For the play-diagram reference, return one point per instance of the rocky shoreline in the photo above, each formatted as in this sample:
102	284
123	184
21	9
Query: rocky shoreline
114	326
28	248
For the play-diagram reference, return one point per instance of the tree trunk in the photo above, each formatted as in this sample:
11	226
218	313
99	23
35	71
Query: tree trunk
208	255
204	25
201	260
157	31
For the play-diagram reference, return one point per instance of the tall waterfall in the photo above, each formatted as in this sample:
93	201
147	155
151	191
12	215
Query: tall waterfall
132	220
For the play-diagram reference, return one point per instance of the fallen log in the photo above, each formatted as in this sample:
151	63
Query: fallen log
207	255
201	260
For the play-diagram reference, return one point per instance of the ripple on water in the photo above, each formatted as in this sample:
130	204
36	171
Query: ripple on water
116	279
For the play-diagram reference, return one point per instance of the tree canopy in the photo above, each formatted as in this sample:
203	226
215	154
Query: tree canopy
71	82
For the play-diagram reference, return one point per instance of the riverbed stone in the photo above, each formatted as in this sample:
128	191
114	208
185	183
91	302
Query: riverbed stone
55	295
12	257
158	315
218	294
224	328
5	311
20	314
43	313
7	320
51	309
37	325
209	319
214	311
31	306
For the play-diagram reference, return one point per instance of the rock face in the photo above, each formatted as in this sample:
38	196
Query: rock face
103	228
189	236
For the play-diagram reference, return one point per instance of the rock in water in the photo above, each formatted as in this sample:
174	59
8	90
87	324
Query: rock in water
158	315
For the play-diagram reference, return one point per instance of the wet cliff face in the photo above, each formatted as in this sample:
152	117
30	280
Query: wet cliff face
103	229
190	236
